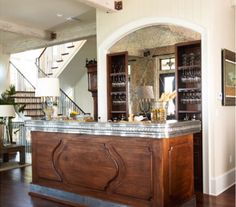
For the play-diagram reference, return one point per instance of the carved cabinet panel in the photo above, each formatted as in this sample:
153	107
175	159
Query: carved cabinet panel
43	158
181	170
135	164
86	164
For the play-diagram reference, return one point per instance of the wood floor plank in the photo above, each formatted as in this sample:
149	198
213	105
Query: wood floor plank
14	188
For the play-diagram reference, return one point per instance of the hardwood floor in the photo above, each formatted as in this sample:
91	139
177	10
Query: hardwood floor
14	187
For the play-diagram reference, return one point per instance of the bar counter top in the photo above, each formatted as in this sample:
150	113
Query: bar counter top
170	128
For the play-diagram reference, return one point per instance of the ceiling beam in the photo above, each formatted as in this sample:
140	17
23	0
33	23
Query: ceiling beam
26	31
74	33
108	5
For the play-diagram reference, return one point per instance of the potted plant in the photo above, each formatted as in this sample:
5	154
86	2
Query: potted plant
7	98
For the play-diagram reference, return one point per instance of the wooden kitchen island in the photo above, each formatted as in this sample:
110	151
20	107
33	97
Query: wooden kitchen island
113	164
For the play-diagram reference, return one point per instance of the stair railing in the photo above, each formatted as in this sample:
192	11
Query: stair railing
66	104
21	82
51	57
38	62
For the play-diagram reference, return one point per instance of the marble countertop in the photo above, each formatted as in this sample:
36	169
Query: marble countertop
168	129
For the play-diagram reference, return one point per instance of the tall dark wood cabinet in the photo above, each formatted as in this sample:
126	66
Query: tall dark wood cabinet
189	96
92	84
117	89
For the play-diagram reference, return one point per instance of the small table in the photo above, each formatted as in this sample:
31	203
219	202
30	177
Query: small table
12	148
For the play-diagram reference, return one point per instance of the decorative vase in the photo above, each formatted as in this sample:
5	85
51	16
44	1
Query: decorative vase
159	111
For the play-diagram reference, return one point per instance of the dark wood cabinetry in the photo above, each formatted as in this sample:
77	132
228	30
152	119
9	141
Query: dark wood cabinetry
117	80
92	85
189	81
140	172
189	95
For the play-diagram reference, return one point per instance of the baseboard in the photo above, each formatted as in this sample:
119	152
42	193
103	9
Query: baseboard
223	182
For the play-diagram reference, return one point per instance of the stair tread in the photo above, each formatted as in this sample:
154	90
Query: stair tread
54	67
28	97
28	103
59	61
33	109
25	91
66	53
34	115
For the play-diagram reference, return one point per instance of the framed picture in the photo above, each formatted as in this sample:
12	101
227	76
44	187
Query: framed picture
228	78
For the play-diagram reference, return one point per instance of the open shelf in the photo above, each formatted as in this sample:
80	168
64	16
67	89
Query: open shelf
189	67
118	74
118	112
189	112
188	89
118	85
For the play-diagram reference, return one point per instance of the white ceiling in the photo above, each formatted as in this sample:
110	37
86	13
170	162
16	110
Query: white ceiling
44	15
41	14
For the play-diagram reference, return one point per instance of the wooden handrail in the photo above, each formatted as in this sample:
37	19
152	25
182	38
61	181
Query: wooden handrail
42	53
37	61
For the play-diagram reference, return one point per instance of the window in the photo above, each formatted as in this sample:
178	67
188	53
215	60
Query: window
167	63
166	76
167	84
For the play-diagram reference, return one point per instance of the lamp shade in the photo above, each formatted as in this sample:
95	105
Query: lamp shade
145	92
7	111
47	87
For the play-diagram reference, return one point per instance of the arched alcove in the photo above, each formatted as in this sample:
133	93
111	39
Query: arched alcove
112	39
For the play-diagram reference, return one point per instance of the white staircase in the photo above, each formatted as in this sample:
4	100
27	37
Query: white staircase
53	60
50	63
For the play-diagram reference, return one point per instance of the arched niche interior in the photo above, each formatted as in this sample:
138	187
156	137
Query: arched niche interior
146	48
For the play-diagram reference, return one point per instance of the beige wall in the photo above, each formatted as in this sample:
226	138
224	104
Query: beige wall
4	72
82	96
75	76
216	20
190	10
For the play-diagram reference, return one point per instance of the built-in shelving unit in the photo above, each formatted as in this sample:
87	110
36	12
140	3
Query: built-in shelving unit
117	73
189	95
